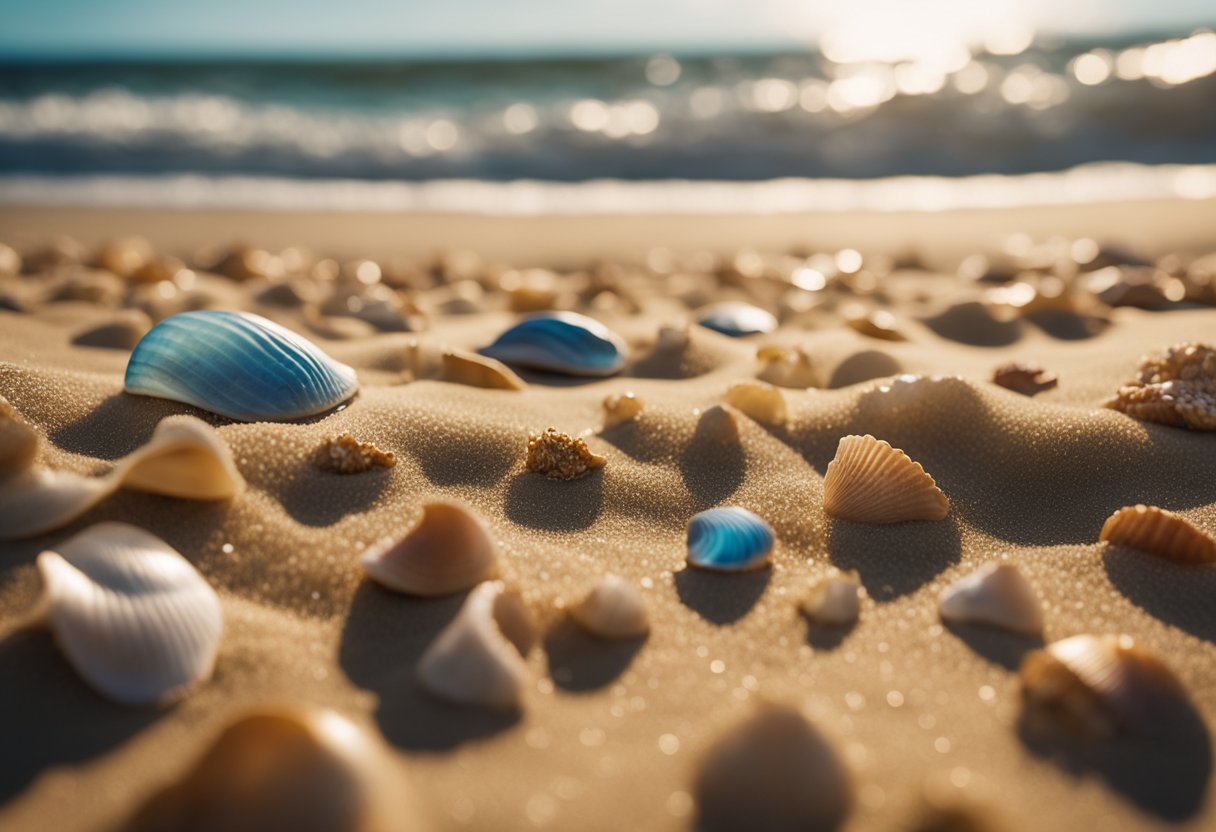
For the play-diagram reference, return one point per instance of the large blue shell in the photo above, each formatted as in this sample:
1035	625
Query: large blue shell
237	365
729	539
737	319
561	342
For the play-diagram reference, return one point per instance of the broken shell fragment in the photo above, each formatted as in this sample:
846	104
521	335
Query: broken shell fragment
737	320
561	342
131	615
874	324
790	368
620	408
612	609
448	550
479	658
1027	379
560	456
995	595
344	454
871	482
834	599
1159	532
775	772
184	458
479	371
1101	685
729	539
762	402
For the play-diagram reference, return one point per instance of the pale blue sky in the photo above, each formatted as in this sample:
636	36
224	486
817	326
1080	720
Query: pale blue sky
407	27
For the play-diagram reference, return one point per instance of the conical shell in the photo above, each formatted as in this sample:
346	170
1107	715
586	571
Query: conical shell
132	615
762	402
479	658
774	772
834	599
479	371
184	458
995	595
448	550
612	609
1159	532
620	408
1100	685
285	771
871	482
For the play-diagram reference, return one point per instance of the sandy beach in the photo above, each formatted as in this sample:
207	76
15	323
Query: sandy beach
612	734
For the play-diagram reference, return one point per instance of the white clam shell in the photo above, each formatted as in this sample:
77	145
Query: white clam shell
762	402
479	657
612	609
834	599
995	595
134	617
184	458
448	550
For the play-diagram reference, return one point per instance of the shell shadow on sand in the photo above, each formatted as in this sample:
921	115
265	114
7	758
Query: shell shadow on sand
51	717
718	597
94	434
382	624
320	498
974	324
1181	596
712	466
579	662
537	502
997	646
925	549
450	458
866	365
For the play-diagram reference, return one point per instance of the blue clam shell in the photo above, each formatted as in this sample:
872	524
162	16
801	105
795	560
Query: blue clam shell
237	365
561	342
729	539
737	319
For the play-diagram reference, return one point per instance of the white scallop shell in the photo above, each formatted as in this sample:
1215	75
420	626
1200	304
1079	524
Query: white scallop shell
762	402
612	609
134	618
995	595
834	599
184	458
448	550
479	657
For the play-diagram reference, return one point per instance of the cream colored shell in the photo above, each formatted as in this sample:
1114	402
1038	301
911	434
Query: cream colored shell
448	550
995	595
834	599
871	482
620	408
612	609
762	402
476	370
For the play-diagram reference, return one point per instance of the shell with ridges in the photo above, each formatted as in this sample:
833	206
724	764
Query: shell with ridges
238	365
561	342
478	659
612	609
184	458
871	482
995	595
448	550
1159	532
762	402
729	539
132	615
737	319
834	599
479	371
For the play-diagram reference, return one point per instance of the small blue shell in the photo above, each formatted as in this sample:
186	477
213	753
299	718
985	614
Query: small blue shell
237	365
737	319
561	342
729	539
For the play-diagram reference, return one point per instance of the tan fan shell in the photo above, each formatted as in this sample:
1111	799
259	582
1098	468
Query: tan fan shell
834	599
762	402
612	609
1159	532
478	659
479	371
184	458
294	769
134	618
775	772
995	595
871	482
448	550
1101	685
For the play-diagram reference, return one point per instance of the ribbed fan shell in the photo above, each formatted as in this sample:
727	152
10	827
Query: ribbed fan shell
1159	532
871	482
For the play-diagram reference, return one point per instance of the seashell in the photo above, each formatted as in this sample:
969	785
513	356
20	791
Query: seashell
184	458
790	368
238	365
775	771
834	599
479	658
125	256
344	454
560	456
737	319
995	595
133	617
479	371
718	423
1159	532
874	324
729	539
18	442
10	261
448	550
561	342
612	609
871	482
672	338
1178	389
1026	379
762	402
1100	685
620	408
293	769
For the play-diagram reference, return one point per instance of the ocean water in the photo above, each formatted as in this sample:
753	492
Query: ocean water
1145	99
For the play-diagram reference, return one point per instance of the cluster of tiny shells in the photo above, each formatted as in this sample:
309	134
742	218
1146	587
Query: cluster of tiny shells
1178	389
344	454
560	456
